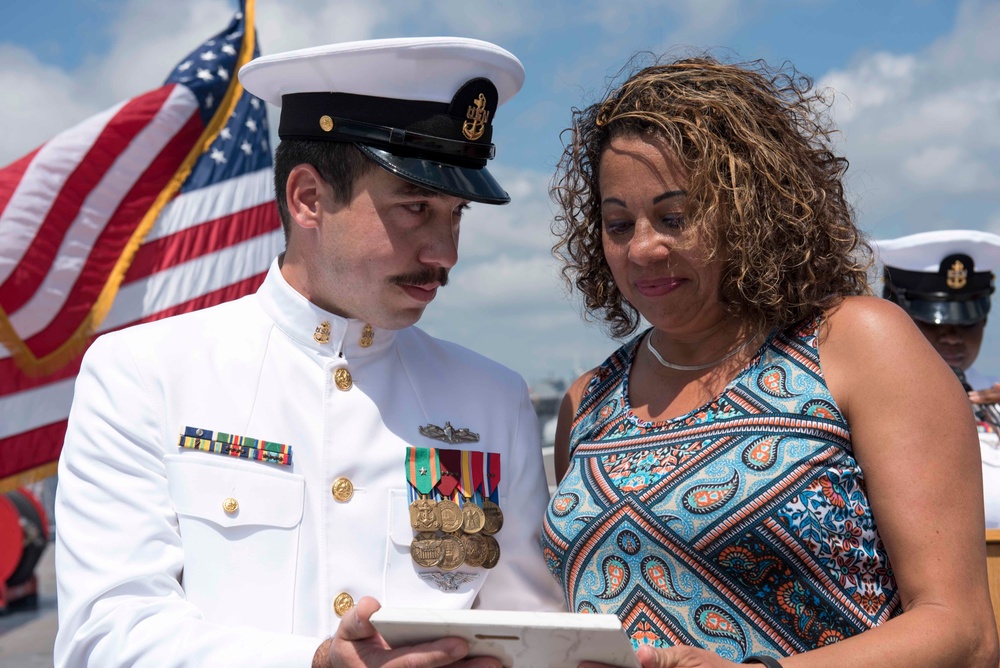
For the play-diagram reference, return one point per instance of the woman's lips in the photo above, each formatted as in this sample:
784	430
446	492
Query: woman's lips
656	287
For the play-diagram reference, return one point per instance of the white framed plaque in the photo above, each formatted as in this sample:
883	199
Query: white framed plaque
519	639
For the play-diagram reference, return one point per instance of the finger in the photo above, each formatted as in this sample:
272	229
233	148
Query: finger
655	658
437	654
356	624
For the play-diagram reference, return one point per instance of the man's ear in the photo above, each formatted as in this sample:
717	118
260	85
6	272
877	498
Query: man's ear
303	192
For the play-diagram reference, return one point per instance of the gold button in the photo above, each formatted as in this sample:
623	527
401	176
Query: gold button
326	123
343	489
342	377
342	603
230	505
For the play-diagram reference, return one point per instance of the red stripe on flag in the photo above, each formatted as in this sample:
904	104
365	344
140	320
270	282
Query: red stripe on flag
208	237
122	129
13	380
111	243
11	175
30	449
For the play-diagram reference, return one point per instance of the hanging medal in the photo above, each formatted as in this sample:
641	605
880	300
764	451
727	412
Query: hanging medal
422	471
472	514
491	494
448	510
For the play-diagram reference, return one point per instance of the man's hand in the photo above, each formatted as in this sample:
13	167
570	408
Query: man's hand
357	645
988	396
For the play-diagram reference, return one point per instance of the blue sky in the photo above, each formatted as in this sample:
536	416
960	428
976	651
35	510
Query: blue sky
917	99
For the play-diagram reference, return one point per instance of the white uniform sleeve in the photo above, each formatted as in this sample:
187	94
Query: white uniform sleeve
521	580
119	555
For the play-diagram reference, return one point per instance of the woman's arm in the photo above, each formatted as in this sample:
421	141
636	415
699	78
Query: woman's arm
564	425
915	439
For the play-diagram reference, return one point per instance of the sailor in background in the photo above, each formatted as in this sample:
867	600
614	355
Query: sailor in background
945	280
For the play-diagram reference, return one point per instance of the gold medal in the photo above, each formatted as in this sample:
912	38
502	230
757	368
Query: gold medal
424	515
472	518
450	514
492	552
453	553
427	550
494	517
475	549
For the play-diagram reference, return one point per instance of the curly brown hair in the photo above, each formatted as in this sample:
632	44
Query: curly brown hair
764	193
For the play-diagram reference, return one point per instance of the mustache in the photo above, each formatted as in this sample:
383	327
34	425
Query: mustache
422	277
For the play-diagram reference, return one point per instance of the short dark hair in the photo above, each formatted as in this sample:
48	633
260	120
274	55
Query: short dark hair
340	164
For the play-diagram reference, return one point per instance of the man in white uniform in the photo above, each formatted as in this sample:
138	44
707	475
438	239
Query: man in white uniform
244	485
944	280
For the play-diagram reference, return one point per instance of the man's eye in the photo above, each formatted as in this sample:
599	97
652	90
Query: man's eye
417	207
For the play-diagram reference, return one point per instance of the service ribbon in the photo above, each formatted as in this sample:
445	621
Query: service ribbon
418	469
493	474
451	467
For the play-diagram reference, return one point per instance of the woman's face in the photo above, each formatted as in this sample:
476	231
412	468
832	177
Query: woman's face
957	344
643	189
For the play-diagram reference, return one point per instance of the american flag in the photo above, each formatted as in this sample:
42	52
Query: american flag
160	205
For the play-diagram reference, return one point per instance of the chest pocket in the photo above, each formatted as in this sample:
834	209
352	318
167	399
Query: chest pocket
239	523
409	585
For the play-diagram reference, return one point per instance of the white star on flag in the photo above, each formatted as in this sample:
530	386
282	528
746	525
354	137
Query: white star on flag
218	156
246	148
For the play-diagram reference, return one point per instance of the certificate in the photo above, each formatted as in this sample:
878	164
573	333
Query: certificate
519	639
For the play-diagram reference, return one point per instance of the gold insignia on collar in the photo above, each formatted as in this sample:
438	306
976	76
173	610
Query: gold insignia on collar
322	333
449	434
479	117
958	276
367	336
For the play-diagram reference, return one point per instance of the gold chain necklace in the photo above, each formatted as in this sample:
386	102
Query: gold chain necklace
693	367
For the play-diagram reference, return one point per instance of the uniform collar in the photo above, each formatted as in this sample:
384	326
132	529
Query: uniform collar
312	327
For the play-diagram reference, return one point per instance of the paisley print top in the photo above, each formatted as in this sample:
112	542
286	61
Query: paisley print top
742	527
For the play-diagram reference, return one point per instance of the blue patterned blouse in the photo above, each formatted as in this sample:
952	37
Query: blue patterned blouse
742	527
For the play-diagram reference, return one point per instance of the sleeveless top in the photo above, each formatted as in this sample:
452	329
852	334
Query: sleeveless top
742	527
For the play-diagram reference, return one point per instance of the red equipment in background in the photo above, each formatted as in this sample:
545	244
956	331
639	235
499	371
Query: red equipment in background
24	533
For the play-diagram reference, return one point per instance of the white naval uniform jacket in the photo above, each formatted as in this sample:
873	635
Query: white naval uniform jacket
152	571
989	450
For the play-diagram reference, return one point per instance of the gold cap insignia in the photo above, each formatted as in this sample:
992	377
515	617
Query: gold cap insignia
958	275
479	118
326	123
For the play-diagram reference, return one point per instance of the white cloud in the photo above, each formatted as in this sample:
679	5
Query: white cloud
922	130
38	100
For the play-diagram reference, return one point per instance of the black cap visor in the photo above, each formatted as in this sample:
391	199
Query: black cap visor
965	312
475	185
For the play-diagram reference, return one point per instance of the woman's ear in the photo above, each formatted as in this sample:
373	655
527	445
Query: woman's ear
303	192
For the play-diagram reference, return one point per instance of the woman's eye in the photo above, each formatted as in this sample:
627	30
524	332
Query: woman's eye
673	221
614	227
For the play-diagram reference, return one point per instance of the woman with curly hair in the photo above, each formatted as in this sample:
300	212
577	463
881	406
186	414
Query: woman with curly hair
780	466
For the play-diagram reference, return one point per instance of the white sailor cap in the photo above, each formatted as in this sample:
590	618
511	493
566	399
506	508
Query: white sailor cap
421	107
942	277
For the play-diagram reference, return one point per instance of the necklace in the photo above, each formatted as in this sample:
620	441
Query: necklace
693	367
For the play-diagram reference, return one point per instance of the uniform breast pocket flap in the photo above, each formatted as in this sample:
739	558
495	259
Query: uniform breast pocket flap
234	494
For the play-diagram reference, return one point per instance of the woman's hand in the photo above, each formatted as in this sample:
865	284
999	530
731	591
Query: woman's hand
681	656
